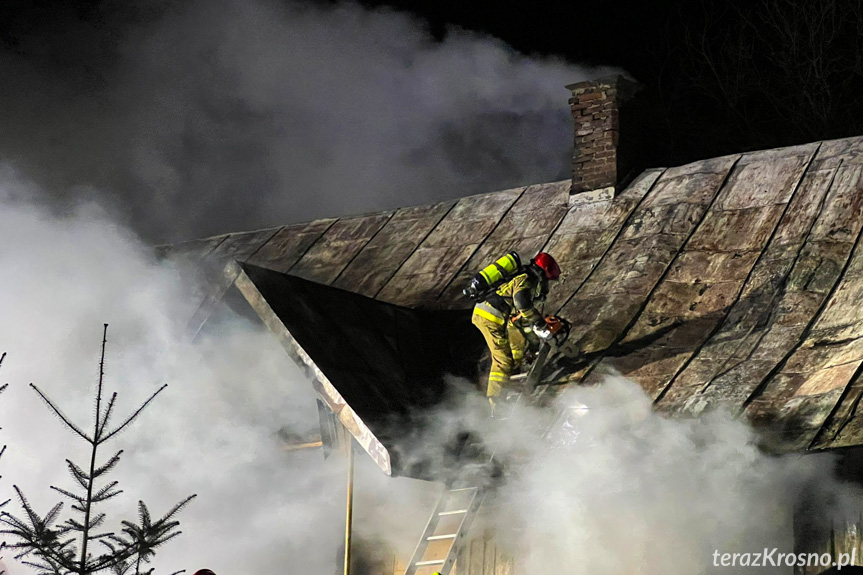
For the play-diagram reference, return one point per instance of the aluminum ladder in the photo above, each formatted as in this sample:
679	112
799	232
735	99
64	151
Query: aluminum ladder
437	552
454	513
448	526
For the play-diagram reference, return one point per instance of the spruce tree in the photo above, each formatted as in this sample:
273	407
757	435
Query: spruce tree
3	449
55	547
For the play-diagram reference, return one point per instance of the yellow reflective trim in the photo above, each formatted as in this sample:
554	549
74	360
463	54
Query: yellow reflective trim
496	272
486	315
491	274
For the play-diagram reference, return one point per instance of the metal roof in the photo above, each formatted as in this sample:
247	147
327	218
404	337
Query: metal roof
732	282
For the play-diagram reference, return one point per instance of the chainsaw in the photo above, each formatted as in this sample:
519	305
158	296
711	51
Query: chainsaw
559	328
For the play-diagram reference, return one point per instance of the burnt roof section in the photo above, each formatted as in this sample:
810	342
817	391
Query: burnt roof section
732	282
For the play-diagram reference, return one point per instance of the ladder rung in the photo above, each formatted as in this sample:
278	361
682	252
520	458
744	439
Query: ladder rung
432	562
453	512
461	489
447	536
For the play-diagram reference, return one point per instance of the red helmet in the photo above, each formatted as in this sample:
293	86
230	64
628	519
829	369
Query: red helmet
547	264
204	572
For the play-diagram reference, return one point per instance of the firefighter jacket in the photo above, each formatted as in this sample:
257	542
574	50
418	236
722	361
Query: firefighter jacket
516	298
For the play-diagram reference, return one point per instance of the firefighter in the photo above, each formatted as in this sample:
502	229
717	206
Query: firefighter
500	316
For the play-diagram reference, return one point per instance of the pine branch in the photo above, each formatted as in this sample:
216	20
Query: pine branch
79	474
52	515
169	536
101	536
39	537
149	535
96	522
74	524
105	493
13	521
28	509
68	494
106	417
179	506
59	414
143	515
134	415
109	465
38	566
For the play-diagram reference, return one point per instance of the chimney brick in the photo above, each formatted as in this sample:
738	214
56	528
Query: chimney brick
595	111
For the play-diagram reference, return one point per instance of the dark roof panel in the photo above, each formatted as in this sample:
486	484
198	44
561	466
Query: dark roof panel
382	257
339	244
241	246
282	251
427	272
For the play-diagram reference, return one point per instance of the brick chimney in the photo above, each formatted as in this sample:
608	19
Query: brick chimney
596	162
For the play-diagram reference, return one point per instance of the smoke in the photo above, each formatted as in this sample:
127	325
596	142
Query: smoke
623	490
599	483
185	119
613	487
214	431
195	118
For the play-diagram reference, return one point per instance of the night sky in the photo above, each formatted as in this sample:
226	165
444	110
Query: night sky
603	33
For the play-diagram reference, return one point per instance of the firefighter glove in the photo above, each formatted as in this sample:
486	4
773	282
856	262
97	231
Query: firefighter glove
542	332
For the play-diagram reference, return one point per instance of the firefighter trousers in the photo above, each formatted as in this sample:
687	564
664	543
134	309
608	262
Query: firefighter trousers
506	343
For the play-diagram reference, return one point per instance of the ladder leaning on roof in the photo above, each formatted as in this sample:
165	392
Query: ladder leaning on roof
455	511
457	507
449	524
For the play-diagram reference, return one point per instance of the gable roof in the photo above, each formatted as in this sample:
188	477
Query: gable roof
732	282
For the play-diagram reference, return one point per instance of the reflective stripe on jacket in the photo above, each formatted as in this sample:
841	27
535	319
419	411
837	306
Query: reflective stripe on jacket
513	298
489	312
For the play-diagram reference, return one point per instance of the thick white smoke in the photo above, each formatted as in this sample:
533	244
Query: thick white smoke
599	483
623	490
195	118
213	431
617	488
